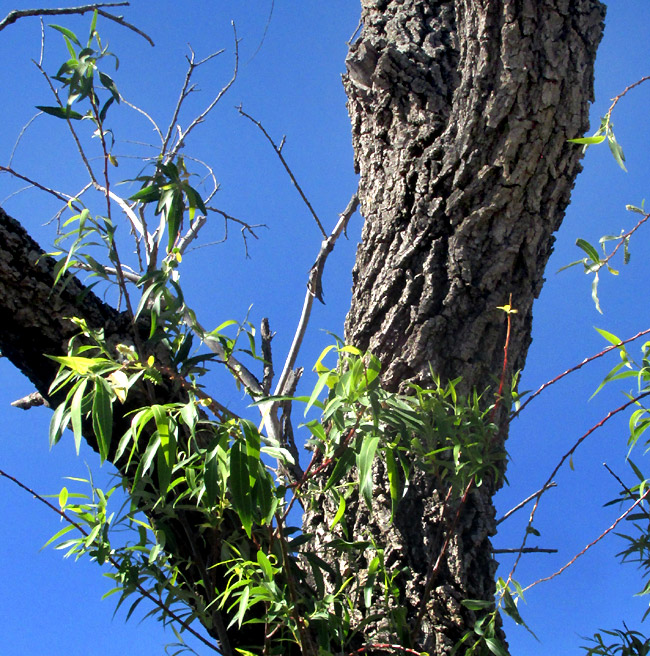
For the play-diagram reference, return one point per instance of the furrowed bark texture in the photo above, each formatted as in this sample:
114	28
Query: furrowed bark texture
460	114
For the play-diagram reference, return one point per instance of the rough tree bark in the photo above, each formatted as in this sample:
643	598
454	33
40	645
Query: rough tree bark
460	113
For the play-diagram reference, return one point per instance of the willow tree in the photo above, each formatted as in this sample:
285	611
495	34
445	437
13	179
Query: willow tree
460	116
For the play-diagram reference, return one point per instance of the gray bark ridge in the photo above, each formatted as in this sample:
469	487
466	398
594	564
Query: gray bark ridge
461	111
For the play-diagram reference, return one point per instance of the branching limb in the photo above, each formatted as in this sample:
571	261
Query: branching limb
32	400
57	194
182	135
266	337
526	550
14	15
278	152
145	593
592	543
527	500
314	290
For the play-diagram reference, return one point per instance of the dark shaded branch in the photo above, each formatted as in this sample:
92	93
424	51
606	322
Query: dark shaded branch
14	15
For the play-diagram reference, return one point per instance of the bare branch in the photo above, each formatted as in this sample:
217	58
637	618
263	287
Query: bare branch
185	92
526	550
266	336
314	290
57	194
278	152
14	15
32	400
520	505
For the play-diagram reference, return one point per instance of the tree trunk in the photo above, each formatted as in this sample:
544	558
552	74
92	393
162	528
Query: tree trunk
460	114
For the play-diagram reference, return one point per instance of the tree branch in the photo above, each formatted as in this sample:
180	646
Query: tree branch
14	15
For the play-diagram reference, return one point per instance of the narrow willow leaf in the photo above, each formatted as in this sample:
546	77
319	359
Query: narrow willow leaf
75	413
495	647
240	487
339	513
63	497
588	249
394	481
67	33
365	460
588	141
102	415
60	112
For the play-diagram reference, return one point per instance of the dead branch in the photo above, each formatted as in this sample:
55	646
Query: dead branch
278	152
314	290
14	15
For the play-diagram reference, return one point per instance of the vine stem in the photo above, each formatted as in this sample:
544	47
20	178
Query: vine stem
592	543
591	358
564	458
112	561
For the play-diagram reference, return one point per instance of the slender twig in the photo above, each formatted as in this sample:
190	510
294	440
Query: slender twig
591	358
385	646
564	458
131	276
57	194
182	135
266	336
266	29
73	132
527	500
141	111
624	92
314	290
526	550
278	152
14	15
625	487
592	543
145	593
20	136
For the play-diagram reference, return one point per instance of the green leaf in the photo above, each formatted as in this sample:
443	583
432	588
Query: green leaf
60	112
63	497
610	337
75	413
394	481
588	141
339	513
146	195
67	33
616	149
102	415
588	249
495	646
58	423
240	486
364	462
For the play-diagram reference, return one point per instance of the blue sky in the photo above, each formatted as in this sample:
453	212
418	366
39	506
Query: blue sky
292	84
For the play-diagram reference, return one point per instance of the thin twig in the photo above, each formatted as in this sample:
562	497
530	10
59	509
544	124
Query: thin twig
182	136
145	593
592	543
624	92
625	487
278	152
57	194
314	290
14	15
564	458
576	367
526	550
527	500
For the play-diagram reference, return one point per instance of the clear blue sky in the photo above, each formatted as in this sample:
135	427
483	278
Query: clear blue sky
292	84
